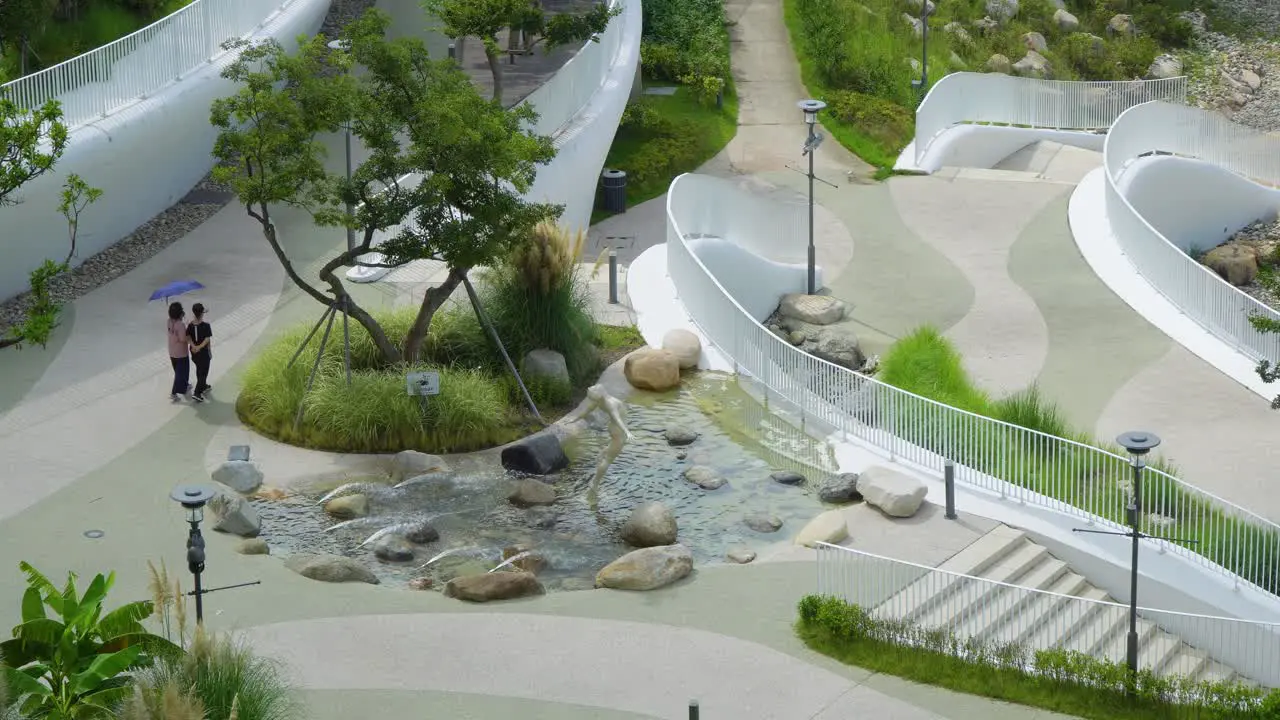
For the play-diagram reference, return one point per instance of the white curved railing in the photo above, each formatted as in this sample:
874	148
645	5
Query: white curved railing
1199	292
994	98
1025	465
134	67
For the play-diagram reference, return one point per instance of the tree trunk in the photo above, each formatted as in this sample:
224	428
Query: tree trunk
495	67
431	302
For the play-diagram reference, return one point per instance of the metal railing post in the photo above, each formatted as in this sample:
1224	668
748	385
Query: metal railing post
949	477
613	277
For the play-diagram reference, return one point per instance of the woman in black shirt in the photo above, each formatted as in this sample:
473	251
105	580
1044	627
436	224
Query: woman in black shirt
200	334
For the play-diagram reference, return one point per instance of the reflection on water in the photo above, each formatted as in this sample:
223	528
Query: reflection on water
470	510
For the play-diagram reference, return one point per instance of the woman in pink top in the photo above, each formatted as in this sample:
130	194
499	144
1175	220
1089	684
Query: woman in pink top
179	352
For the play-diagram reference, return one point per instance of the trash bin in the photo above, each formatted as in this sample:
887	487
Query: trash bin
613	184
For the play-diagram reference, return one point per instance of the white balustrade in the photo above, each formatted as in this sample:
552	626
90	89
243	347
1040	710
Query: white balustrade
1197	291
997	99
1019	464
560	98
134	67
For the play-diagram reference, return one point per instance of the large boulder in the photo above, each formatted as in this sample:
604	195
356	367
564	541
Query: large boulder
842	488
493	586
684	345
763	522
348	507
1165	66
545	363
538	454
1237	264
528	493
1035	41
647	569
652	369
1121	26
998	64
837	345
650	524
233	514
1033	65
1065	21
1002	11
330	568
895	493
239	475
812	309
829	527
411	463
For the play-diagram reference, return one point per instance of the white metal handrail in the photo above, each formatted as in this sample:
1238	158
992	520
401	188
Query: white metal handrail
999	612
1215	304
134	67
1018	463
995	98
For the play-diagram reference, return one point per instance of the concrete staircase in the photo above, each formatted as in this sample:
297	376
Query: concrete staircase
997	614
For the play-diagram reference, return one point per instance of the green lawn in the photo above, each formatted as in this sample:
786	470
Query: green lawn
677	135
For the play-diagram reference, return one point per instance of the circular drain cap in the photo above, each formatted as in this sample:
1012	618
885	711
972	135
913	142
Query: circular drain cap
93	534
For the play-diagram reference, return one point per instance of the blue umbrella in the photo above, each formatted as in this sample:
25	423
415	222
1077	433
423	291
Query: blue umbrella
177	287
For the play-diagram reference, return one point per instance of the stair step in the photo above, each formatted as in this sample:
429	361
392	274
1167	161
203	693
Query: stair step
1006	603
1214	671
1158	650
1116	646
971	597
1018	626
922	595
1058	627
1186	662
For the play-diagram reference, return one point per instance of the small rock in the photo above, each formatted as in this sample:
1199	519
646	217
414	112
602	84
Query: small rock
1164	67
682	455
1002	10
895	493
650	524
233	513
542	518
998	64
684	345
239	475
1121	25
422	533
742	556
704	477
411	463
837	345
348	507
678	436
829	527
546	364
957	31
1065	21
538	454
330	568
647	569
534	562
842	488
986	26
1250	79
270	493
392	549
812	309
1035	41
421	583
528	493
1033	64
787	477
763	523
493	586
253	546
652	369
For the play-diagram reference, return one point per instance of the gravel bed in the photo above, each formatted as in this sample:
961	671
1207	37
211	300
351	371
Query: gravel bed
161	231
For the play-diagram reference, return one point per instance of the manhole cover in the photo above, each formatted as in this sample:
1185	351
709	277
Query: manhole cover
93	534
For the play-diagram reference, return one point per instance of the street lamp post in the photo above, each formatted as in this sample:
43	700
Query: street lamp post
922	85
344	46
811	108
193	498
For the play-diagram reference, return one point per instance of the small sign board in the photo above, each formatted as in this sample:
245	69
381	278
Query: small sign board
423	383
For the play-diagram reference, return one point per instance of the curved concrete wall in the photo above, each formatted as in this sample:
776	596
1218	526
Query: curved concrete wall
571	179
756	283
984	146
1158	187
145	157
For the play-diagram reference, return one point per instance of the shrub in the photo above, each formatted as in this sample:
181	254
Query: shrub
1058	680
217	674
537	299
926	364
886	123
686	41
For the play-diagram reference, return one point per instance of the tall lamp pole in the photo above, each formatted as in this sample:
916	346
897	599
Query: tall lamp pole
811	108
1139	444
193	498
344	46
922	85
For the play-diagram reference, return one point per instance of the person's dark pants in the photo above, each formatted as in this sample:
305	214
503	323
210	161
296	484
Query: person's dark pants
181	375
201	360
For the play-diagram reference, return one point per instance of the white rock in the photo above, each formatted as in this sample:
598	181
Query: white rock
1165	66
1065	21
1250	79
647	569
545	363
813	309
233	513
650	524
829	527
895	493
239	475
411	463
1035	41
684	345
